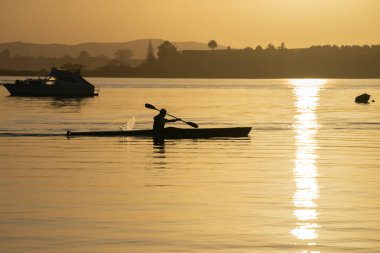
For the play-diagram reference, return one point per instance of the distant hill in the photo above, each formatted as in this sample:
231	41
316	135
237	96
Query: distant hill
138	47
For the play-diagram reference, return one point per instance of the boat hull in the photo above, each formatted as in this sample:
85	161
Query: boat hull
173	133
49	90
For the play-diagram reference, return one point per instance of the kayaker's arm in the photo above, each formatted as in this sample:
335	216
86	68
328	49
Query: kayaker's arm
172	120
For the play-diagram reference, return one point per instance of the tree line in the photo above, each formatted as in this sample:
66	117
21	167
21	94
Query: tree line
327	61
83	59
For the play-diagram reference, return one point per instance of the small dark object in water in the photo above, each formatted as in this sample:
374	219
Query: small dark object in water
363	98
373	100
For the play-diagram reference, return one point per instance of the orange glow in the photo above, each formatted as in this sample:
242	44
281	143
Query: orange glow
240	23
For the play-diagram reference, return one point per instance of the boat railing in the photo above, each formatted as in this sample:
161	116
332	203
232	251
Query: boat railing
6	82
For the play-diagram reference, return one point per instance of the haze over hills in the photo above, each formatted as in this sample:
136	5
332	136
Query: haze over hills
138	47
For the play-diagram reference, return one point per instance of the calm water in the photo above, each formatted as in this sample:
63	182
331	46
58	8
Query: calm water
305	180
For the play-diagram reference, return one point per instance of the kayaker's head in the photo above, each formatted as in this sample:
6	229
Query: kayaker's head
163	112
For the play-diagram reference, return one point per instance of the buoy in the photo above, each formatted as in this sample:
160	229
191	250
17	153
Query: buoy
363	98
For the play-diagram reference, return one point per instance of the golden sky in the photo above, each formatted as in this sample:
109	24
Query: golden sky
238	23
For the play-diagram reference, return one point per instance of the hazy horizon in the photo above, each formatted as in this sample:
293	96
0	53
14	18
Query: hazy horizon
297	23
224	46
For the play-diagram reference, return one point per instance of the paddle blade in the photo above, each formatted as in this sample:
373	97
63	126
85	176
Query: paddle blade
192	124
149	106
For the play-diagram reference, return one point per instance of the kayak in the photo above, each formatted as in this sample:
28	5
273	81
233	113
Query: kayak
173	133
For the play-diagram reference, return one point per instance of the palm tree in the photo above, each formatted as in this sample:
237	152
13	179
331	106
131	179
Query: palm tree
212	44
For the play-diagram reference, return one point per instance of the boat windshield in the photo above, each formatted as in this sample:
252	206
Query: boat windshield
51	80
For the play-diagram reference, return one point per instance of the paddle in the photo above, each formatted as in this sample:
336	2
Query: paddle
149	106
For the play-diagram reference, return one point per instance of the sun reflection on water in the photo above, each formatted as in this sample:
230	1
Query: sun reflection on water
305	170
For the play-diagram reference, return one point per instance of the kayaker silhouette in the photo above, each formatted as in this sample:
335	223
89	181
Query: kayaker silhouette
159	124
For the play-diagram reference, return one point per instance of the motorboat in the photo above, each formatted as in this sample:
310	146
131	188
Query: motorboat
58	82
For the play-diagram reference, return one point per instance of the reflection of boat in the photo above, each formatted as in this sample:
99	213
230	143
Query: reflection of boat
57	83
174	133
